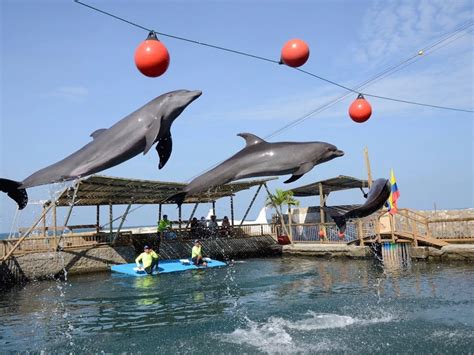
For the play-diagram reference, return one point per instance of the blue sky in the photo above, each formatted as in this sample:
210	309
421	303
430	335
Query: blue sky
67	71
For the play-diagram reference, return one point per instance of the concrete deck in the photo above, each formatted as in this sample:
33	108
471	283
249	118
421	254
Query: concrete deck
327	250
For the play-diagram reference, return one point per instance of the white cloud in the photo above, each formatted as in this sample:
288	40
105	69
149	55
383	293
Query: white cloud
394	27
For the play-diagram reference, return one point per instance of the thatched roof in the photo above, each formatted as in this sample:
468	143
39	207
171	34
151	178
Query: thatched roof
102	190
334	184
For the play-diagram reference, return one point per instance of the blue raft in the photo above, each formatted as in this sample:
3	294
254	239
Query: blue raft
166	266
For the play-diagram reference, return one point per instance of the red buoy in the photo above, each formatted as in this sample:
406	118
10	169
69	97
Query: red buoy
294	53
152	57
341	235
360	110
321	234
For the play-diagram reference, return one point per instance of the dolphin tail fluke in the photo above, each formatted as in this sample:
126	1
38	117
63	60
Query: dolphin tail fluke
11	188
177	198
338	218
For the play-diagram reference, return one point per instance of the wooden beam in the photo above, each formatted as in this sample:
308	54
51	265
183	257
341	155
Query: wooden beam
250	206
10	252
321	210
232	210
192	215
124	216
367	165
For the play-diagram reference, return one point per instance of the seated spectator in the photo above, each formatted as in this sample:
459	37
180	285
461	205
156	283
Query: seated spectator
194	227
226	228
212	226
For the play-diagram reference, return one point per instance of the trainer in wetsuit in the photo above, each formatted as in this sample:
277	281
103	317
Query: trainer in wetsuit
196	255
148	258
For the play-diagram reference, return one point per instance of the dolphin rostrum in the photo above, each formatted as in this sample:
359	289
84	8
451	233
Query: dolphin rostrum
261	158
377	196
134	134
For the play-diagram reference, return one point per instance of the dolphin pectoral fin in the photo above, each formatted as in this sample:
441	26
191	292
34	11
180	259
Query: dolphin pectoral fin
14	192
303	169
96	133
164	147
152	133
292	178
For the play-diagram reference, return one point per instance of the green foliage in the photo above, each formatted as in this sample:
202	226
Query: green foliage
280	198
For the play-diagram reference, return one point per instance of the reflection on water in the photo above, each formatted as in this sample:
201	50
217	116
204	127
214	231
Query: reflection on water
281	305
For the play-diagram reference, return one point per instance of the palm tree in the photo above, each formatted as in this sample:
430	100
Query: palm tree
280	198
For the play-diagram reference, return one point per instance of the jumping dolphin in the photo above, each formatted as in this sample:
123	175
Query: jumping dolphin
127	138
260	158
377	196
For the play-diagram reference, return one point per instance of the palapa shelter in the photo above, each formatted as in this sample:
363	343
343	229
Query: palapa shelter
324	187
98	190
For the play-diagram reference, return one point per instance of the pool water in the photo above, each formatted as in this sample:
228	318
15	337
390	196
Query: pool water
271	305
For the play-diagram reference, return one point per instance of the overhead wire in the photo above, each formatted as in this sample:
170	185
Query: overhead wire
267	60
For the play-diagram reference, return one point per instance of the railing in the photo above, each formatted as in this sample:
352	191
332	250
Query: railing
45	244
452	229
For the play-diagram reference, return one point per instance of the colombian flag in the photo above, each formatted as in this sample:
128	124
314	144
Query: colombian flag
394	195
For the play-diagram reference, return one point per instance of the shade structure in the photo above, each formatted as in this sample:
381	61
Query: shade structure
104	190
338	183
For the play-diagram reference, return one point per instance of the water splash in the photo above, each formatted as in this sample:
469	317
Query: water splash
277	334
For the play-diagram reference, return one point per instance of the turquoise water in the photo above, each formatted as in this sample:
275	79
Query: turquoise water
276	305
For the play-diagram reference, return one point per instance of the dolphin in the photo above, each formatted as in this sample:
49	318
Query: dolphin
376	198
261	158
134	134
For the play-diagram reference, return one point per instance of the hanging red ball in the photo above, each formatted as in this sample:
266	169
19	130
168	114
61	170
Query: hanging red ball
360	110
294	53
152	57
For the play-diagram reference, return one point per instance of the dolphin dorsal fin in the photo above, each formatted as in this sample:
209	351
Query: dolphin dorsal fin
250	139
96	133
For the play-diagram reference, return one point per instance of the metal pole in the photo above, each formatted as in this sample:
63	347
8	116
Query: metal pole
214	208
159	213
179	217
251	204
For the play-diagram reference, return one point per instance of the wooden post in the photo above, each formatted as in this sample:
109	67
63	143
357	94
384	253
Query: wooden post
192	215
214	208
359	231
55	220
124	216
44	222
289	224
159	213
232	210
250	206
367	165
179	217
321	210
111	219
97	219
392	227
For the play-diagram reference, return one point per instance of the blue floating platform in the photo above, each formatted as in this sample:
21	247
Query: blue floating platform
166	266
